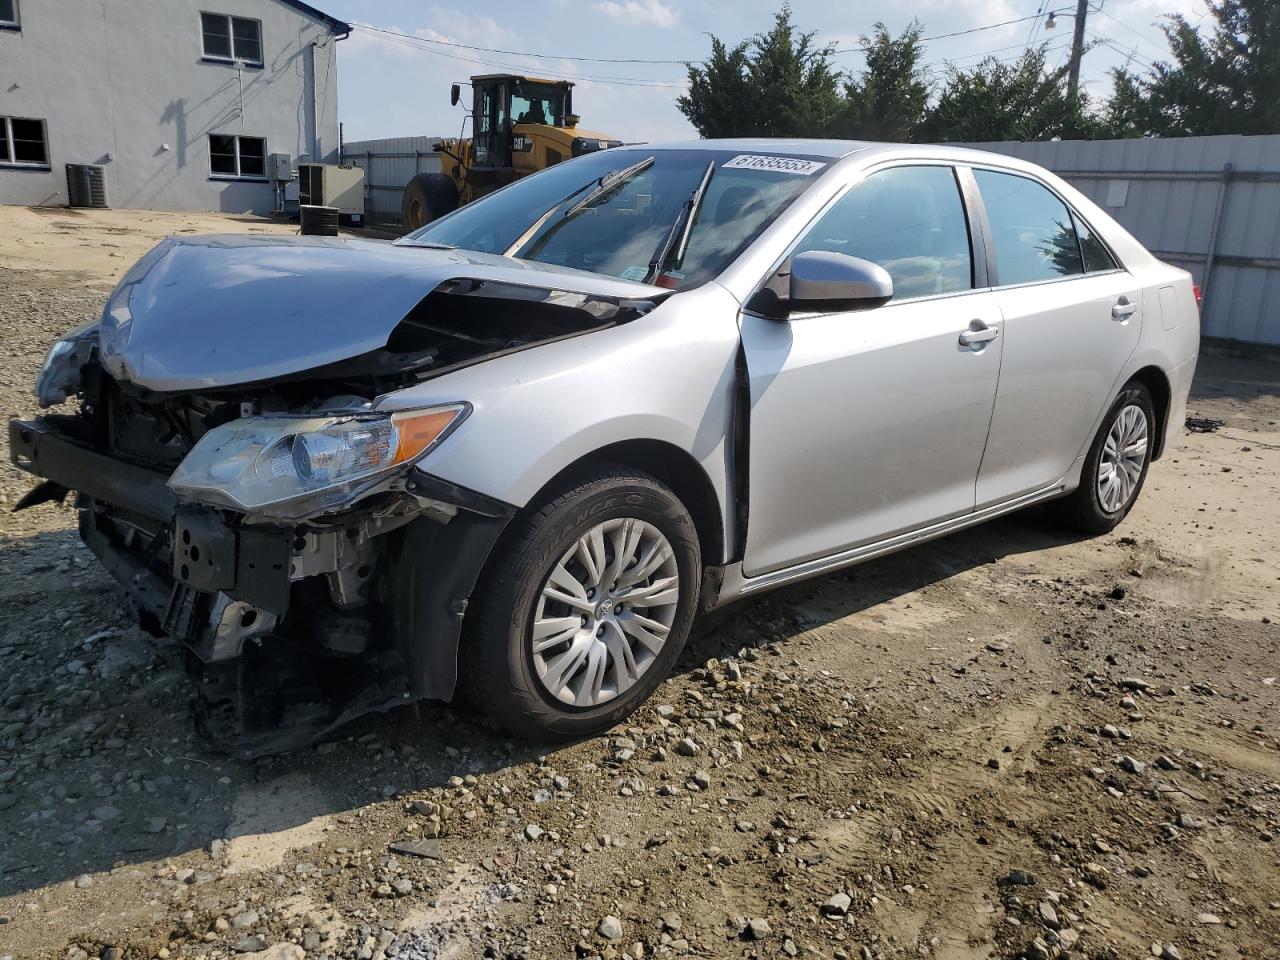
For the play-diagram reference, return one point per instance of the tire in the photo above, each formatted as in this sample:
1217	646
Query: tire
1094	507
515	684
427	197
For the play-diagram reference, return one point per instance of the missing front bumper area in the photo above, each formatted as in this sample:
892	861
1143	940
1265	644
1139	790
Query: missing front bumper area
293	629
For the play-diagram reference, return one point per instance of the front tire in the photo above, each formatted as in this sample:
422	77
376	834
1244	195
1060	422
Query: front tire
1116	467
585	607
427	197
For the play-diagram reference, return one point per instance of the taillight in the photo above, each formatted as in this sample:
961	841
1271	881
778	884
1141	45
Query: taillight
1195	292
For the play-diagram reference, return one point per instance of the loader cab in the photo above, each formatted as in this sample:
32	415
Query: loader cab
500	102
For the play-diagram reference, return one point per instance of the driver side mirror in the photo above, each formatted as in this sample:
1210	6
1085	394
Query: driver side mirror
455	94
830	282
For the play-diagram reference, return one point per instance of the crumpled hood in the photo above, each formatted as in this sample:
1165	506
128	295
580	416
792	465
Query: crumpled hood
217	311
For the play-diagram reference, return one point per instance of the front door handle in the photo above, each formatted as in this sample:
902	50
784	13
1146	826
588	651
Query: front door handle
978	334
1124	309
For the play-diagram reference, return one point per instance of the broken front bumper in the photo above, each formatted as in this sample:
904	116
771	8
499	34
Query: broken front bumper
209	579
167	556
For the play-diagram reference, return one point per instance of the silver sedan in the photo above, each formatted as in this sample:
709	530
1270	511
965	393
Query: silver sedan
518	450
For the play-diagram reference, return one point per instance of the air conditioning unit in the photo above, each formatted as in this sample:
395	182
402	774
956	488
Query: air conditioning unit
86	185
329	185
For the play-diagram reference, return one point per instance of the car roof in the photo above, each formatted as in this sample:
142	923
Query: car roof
831	149
837	149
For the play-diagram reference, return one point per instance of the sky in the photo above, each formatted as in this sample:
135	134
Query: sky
390	86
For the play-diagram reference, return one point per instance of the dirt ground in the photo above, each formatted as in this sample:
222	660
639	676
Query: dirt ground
1008	743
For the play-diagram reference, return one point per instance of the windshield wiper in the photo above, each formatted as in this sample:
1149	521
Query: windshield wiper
676	242
608	183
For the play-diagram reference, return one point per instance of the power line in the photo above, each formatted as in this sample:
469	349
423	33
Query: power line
1035	27
1130	54
1035	24
1016	46
1162	51
965	33
513	53
555	56
415	42
405	41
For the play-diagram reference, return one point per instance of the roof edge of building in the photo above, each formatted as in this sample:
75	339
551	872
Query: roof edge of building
334	24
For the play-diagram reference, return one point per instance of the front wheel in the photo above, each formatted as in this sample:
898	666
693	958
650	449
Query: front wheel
1116	467
427	197
585	607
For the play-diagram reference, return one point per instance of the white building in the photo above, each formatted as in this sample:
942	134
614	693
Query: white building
180	101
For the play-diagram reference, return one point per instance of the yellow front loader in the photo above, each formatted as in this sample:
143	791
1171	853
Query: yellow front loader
519	125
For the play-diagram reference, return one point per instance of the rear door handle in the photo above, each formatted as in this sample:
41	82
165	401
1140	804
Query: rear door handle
978	334
1124	309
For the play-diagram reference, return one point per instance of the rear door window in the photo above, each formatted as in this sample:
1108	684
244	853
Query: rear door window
909	220
1033	232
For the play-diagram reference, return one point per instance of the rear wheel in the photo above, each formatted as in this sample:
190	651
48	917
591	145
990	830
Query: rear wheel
586	607
428	196
1116	467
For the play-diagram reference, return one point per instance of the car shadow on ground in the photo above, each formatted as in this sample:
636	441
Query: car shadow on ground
843	593
104	769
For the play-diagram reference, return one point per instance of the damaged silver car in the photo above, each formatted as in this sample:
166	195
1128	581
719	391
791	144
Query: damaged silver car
516	451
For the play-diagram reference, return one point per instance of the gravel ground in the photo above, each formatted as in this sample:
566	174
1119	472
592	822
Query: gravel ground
1008	743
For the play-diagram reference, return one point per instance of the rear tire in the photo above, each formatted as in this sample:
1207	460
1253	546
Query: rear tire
544	669
427	197
1116	466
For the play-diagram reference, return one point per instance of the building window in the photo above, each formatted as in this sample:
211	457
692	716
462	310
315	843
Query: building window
23	143
231	38
239	158
9	15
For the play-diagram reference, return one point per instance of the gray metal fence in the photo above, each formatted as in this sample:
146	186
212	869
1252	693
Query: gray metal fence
388	165
1208	204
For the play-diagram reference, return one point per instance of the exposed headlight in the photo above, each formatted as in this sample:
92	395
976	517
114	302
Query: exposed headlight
59	378
289	467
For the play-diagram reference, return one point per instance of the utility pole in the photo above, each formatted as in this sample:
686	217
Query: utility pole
1077	51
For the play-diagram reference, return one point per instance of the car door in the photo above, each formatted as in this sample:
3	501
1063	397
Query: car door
1072	319
868	423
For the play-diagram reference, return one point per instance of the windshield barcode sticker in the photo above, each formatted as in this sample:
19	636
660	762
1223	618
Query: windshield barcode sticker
746	161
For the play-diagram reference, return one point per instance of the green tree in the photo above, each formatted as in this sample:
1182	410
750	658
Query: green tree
889	100
777	84
1127	113
994	100
1226	82
718	91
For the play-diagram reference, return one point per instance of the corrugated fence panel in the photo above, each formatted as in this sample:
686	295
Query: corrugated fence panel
389	165
1173	196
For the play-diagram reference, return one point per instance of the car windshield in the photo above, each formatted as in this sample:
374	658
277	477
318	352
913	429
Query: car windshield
672	217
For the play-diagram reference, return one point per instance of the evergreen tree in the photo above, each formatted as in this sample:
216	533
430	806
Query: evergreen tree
891	97
993	101
777	84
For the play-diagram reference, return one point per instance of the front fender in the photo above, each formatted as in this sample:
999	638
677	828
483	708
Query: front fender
665	376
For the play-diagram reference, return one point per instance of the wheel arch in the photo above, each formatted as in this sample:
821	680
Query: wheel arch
1157	383
674	467
432	626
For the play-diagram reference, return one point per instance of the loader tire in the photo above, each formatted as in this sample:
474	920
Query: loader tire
428	196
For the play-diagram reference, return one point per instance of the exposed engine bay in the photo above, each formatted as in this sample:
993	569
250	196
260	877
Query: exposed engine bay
296	622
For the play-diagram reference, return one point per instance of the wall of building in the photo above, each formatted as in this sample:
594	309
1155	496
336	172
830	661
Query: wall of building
124	84
1210	205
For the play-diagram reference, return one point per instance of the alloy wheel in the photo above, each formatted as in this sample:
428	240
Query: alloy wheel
1124	454
604	612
